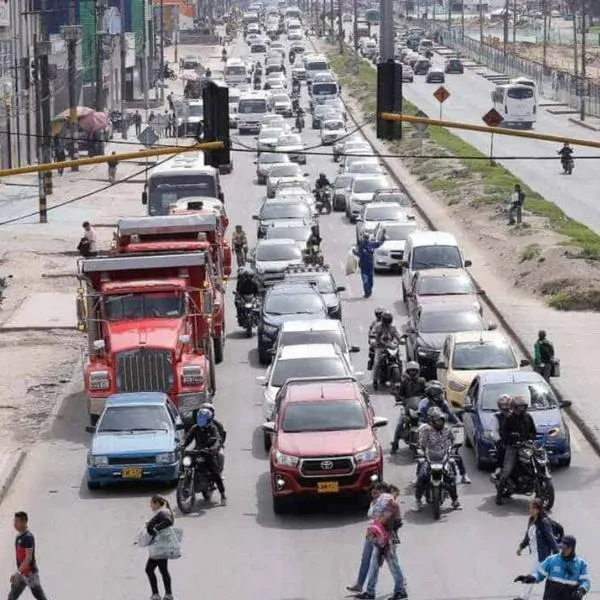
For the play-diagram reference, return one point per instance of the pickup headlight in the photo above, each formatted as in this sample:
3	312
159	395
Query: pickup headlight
285	460
97	461
166	459
367	455
187	461
457	386
270	328
192	375
99	380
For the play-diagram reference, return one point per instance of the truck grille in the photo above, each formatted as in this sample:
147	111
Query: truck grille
131	460
327	467
144	370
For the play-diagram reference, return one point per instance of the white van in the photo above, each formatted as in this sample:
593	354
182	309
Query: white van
251	110
430	250
517	104
235	72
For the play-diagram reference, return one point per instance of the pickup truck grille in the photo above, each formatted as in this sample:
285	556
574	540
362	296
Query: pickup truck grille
144	370
327	467
131	460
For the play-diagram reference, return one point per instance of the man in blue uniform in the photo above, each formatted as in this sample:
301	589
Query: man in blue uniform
365	251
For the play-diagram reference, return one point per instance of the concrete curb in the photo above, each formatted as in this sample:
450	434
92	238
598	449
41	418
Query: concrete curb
583	124
588	433
14	466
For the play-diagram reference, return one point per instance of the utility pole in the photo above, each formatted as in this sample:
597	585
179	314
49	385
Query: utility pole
100	8
481	15
575	50
386	31
123	69
355	24
72	34
505	20
162	48
332	18
44	48
449	16
176	34
462	21
583	65
340	27
545	41
145	73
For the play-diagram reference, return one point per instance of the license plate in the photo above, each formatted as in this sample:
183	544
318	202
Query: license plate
328	487
132	473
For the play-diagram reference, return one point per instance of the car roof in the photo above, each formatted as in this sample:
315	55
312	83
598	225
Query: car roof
326	390
493	377
308	351
276	242
381	205
290	287
485	336
450	273
443	307
312	325
433	238
137	399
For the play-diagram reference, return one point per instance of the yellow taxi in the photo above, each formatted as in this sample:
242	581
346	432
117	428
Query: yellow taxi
465	355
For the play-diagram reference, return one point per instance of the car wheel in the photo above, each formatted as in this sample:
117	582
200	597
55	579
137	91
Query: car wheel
93	486
280	505
403	294
267	441
264	358
479	463
565	462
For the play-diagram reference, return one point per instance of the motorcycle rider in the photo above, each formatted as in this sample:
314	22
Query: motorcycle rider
205	435
373	328
434	397
239	241
386	332
224	54
299	119
566	573
112	167
313	243
296	86
411	385
566	154
321	183
501	414
436	438
222	432
518	427
247	285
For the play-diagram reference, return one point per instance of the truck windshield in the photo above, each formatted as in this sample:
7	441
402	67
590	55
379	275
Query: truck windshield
164	191
158	305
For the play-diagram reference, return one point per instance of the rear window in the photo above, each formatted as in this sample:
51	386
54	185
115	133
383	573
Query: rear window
319	89
522	93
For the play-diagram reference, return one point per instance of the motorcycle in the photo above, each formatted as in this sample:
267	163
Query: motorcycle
323	200
568	165
299	124
4	281
409	417
241	254
169	74
249	313
531	475
389	367
313	256
194	478
295	104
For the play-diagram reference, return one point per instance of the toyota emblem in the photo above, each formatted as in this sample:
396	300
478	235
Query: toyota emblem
326	465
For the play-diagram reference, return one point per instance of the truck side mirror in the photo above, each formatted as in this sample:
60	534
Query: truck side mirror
144	197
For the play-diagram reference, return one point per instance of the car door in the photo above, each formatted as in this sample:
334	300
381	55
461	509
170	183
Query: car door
470	417
176	420
411	296
412	337
442	374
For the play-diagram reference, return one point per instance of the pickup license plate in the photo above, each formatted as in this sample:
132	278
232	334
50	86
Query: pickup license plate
132	473
328	487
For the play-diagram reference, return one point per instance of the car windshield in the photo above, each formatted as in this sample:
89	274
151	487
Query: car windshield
285	210
384	213
286	171
323	416
272	120
235	70
272	158
450	322
342	182
436	257
366	167
195	110
294	304
475	356
296	338
323	281
189	63
289	140
129	307
269	133
281	98
333	125
298	234
247	107
398	233
445	286
134	418
401	199
538	394
369	186
275	252
317	65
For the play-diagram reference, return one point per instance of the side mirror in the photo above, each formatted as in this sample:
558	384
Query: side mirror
269	427
255	217
354	349
144	197
359	375
492	326
565	404
379	422
340	288
440	365
261	380
468	263
411	331
524	362
404	264
90	429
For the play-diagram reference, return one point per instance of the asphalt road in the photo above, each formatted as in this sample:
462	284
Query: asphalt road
470	99
85	540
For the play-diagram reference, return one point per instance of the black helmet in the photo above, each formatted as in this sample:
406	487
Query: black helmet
387	318
413	369
436	418
322	175
519	404
379	312
434	391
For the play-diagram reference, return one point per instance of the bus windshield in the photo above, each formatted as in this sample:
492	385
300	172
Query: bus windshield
252	106
163	191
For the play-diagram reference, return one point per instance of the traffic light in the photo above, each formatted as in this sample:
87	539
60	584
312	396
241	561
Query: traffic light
216	124
389	99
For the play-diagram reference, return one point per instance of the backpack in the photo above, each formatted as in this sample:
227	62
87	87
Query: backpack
558	531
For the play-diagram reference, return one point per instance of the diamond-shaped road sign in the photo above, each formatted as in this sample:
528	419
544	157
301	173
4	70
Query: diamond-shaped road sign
148	137
441	94
421	126
493	118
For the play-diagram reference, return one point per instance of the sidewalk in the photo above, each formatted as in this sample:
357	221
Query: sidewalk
574	334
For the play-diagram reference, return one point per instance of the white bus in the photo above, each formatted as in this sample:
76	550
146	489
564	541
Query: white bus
179	177
292	12
235	72
251	109
516	103
315	63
